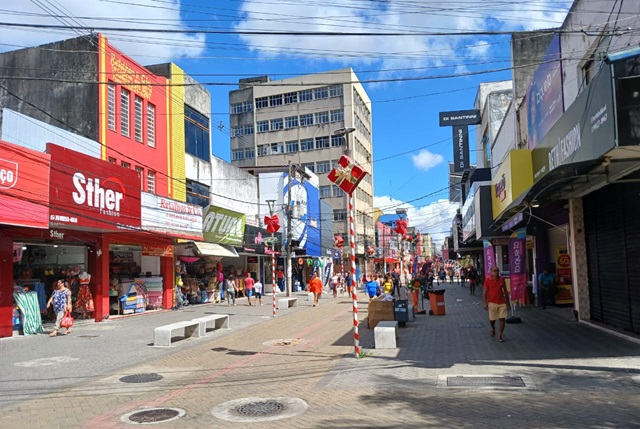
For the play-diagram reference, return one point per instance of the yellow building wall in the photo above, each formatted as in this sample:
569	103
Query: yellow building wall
515	175
176	155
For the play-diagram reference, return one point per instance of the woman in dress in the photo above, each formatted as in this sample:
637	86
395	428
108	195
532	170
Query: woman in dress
61	299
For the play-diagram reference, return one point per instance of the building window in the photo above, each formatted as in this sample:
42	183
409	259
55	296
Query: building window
276	124
263	126
112	160
322	118
245	106
124	112
151	125
111	106
263	150
291	122
325	191
336	191
322	142
197	194
151	182
306	120
249	153
321	93
140	171
292	146
125	165
306	95
277	148
337	141
310	165
262	103
275	100
337	115
335	90
236	108
197	134
237	154
306	144
339	215
137	118
323	167
291	98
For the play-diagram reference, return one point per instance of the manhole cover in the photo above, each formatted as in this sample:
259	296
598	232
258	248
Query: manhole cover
141	378
259	409
262	408
285	342
508	381
153	415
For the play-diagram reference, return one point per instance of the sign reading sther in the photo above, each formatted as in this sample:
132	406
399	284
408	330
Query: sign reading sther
87	192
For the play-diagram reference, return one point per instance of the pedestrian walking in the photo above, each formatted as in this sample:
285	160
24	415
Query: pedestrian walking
249	283
463	275
442	275
450	272
472	275
335	280
232	290
348	280
546	287
315	287
280	275
495	297
61	299
395	278
257	292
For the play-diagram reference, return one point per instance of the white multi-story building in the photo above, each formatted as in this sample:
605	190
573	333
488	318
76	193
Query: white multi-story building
274	123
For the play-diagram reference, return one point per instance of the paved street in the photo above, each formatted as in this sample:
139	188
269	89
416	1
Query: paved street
571	375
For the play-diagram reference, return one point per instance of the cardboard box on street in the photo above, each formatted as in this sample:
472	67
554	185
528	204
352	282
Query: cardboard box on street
379	311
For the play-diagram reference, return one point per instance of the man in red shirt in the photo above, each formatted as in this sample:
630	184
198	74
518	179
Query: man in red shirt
495	297
248	287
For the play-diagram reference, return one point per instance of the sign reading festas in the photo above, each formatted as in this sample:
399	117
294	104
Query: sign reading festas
223	226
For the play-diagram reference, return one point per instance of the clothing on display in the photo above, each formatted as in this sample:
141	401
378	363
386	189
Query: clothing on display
30	309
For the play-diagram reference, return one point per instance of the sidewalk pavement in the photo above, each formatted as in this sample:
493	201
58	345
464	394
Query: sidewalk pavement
573	375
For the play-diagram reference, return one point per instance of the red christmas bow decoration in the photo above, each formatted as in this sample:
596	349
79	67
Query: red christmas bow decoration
338	241
272	223
401	227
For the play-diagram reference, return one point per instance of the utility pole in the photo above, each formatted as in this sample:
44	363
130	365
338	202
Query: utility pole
289	232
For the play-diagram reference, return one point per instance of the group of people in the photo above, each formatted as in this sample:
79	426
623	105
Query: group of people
252	289
378	284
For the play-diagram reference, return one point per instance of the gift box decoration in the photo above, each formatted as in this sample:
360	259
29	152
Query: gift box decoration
347	174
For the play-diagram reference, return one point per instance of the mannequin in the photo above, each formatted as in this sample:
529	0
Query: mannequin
84	301
84	278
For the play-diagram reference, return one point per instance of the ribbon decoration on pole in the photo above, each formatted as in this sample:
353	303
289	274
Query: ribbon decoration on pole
347	174
272	223
401	227
338	241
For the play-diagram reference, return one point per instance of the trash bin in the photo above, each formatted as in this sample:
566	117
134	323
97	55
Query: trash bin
436	300
401	311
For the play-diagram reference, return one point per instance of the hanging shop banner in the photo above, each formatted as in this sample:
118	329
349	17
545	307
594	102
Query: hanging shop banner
544	96
148	250
460	148
513	177
171	217
24	186
460	117
585	132
87	192
223	226
489	258
564	294
517	257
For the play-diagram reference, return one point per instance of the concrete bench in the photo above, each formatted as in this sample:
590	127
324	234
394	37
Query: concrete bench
219	321
385	334
162	334
287	302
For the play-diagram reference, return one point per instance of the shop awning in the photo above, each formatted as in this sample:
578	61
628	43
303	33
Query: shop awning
214	249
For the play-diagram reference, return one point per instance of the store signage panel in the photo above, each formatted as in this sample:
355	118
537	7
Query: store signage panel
460	117
223	226
512	179
24	186
148	250
544	96
469	216
460	148
585	132
171	217
86	192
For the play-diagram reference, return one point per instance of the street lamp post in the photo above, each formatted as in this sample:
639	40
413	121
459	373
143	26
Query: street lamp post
344	132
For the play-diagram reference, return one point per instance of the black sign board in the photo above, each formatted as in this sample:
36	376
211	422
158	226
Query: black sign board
460	148
460	117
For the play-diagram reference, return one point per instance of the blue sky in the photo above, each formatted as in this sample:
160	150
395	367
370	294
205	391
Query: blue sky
408	78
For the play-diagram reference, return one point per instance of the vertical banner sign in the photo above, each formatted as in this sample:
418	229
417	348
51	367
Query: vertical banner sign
564	295
517	271
489	258
460	148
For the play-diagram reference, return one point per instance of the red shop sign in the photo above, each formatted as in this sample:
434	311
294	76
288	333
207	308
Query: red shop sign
87	192
24	186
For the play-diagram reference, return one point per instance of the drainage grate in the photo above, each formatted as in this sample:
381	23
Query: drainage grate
288	342
153	415
507	381
261	408
141	378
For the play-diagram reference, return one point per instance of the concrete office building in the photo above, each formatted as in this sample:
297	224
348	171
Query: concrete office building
294	120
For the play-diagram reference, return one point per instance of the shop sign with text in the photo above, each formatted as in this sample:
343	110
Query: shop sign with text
512	179
223	226
24	186
171	217
149	250
86	192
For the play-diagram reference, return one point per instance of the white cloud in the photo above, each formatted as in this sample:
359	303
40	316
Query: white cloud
435	218
147	48
480	49
426	160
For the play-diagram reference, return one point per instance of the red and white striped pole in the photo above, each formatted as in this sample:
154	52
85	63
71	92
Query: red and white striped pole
354	295
273	274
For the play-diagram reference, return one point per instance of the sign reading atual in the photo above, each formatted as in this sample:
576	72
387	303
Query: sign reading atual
86	192
223	226
585	132
171	217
